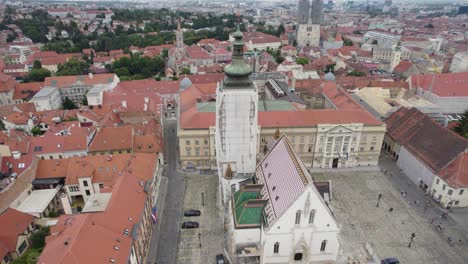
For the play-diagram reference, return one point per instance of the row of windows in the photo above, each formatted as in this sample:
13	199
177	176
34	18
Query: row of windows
450	191
197	142
311	217
276	246
188	151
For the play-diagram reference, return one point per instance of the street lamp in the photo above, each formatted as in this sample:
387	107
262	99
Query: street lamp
413	235
378	200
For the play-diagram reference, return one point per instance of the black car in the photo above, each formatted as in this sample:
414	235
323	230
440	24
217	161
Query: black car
192	212
190	224
220	259
390	261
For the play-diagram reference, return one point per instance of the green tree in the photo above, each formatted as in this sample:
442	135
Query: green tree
302	61
429	26
185	71
356	73
138	67
37	75
2	125
165	53
72	67
37	64
69	104
348	42
10	37
84	101
462	128
279	59
38	237
280	30
330	67
357	32
36	131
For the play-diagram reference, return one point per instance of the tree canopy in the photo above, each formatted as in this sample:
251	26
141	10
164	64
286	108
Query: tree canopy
36	28
72	67
356	73
37	75
137	67
462	128
69	104
302	60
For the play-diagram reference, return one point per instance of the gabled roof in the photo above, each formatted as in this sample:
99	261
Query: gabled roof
338	97
12	224
431	143
445	84
456	173
284	178
112	138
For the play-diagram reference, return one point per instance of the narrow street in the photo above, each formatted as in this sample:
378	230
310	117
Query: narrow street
164	241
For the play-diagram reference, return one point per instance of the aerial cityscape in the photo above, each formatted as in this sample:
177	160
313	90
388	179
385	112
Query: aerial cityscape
242	132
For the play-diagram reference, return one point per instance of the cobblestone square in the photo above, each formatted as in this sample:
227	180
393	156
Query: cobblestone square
354	202
202	244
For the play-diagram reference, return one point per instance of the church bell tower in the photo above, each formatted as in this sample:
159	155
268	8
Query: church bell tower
236	120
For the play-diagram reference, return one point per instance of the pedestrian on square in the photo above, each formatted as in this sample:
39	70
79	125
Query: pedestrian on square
390	210
433	219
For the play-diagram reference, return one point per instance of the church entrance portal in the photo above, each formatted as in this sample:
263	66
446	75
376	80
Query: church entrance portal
298	256
335	163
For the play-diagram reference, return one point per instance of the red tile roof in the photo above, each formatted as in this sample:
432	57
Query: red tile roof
17	118
259	37
12	224
431	143
27	90
308	118
456	173
7	83
445	84
112	139
340	98
403	67
101	232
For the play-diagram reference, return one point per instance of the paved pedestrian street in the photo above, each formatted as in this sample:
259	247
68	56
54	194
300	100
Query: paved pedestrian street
201	245
354	202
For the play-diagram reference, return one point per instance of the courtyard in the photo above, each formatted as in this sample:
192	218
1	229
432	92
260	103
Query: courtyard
387	231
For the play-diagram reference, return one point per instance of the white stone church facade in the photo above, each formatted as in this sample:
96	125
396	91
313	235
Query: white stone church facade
282	217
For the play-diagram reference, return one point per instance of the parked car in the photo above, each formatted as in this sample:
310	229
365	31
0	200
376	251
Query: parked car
192	212
390	261
220	259
190	224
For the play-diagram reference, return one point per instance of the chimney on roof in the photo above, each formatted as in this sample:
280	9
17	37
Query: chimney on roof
124	104
146	100
293	84
65	243
90	75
